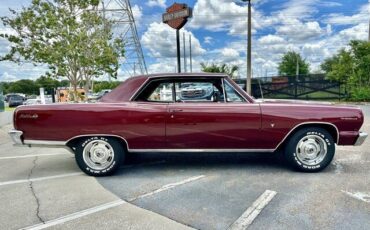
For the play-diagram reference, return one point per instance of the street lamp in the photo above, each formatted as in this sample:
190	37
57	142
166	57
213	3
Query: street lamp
249	49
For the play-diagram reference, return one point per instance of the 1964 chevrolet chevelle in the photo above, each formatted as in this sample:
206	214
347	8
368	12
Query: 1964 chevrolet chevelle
188	113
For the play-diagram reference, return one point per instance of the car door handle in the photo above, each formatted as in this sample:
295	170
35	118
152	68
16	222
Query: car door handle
176	110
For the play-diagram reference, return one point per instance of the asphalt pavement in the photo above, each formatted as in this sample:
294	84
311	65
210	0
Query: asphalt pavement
43	188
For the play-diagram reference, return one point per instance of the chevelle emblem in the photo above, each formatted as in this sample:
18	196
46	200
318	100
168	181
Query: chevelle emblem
349	118
29	116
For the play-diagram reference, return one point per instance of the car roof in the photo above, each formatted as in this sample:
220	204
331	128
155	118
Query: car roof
176	75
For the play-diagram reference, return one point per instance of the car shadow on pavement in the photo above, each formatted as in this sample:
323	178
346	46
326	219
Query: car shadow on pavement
207	160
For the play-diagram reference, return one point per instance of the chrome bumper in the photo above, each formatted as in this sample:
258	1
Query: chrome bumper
361	138
16	136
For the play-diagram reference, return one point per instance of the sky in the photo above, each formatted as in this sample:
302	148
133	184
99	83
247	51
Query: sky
218	29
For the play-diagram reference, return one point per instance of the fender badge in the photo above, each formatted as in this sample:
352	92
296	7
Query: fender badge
349	118
272	125
29	116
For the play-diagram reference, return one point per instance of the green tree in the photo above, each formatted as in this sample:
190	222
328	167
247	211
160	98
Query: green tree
288	64
351	66
339	67
24	86
47	82
230	70
99	86
69	36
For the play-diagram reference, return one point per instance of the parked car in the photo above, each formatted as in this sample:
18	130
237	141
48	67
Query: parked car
7	96
15	100
136	117
32	102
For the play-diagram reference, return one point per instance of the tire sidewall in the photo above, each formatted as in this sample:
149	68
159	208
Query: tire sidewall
117	159
291	154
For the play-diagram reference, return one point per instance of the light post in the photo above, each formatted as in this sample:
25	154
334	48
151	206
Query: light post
249	50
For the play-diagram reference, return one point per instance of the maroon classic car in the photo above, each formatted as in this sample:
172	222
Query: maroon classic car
188	113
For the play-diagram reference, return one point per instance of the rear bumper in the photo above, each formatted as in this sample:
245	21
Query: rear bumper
16	136
361	138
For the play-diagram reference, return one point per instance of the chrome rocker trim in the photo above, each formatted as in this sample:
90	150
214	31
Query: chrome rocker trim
361	138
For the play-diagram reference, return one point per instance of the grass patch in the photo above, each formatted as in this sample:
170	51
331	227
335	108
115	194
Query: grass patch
9	109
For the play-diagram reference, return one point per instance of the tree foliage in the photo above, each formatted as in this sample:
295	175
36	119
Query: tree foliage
288	64
31	87
230	70
351	66
69	36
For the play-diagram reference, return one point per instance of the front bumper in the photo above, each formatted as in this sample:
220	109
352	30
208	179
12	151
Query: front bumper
16	136
361	138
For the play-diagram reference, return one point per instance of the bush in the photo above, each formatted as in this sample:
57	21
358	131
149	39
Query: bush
360	94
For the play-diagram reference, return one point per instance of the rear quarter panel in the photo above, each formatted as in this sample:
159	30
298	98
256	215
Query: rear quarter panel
63	122
279	119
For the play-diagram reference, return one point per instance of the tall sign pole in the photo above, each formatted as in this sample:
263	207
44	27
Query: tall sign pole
176	16
249	55
178	51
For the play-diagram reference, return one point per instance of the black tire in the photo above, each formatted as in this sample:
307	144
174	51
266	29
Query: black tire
91	150
305	150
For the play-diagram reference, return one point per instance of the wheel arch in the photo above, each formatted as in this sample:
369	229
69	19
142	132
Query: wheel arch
331	128
72	142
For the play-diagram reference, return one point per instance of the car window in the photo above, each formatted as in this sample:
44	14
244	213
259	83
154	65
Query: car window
163	93
200	91
231	94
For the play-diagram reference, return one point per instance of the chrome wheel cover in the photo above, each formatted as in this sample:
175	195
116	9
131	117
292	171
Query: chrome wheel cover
311	150
98	154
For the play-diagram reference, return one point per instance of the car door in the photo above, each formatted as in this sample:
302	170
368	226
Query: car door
148	114
229	123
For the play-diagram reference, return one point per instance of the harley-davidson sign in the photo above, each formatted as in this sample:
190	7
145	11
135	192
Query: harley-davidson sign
176	15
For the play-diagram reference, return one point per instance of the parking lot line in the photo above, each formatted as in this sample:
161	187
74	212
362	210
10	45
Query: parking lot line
40	178
75	215
168	186
252	212
34	155
102	207
358	195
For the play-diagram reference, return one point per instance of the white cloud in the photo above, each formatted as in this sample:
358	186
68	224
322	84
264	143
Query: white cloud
137	12
208	40
301	31
229	54
270	39
160	40
159	3
14	71
8	77
341	19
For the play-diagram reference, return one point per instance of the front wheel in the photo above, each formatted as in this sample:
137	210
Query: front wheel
310	149
99	156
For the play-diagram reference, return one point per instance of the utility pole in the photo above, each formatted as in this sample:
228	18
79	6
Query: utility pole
249	49
190	55
184	50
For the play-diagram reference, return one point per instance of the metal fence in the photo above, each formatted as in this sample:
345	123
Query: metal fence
307	87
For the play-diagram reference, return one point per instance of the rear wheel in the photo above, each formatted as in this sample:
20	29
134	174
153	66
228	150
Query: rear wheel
310	149
99	156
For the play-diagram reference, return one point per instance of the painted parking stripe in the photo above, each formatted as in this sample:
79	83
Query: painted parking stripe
75	215
359	195
252	212
34	155
103	207
168	186
40	178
